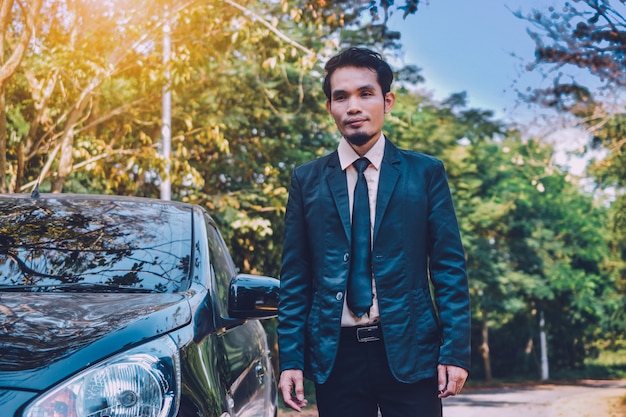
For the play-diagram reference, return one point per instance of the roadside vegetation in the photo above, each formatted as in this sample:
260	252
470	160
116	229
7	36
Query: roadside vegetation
609	364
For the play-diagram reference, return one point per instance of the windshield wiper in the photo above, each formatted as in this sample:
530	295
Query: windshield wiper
76	287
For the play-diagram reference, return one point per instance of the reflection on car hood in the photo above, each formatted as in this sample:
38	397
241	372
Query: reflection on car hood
40	330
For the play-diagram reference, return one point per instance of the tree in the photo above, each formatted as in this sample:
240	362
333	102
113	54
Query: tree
17	25
535	243
247	104
590	35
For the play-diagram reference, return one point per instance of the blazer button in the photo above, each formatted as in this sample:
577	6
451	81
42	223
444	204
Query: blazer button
346	257
339	296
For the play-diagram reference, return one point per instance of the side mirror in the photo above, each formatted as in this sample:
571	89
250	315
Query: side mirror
253	296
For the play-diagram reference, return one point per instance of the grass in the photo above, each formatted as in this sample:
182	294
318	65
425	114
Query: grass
610	364
610	358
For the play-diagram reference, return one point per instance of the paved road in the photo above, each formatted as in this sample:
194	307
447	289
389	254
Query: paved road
585	400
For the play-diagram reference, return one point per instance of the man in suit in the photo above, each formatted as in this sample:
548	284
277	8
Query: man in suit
356	314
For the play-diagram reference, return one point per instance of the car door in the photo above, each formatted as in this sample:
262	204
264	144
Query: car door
247	371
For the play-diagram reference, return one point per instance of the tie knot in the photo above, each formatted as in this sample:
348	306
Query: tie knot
361	164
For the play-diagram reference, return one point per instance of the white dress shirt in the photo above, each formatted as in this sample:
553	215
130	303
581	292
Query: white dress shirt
347	155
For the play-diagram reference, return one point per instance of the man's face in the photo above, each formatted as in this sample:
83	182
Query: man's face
357	104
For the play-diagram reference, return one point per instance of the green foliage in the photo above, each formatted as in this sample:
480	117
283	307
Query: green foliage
534	240
590	36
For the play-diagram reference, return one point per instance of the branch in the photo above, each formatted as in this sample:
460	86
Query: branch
281	35
9	68
5	12
44	171
115	112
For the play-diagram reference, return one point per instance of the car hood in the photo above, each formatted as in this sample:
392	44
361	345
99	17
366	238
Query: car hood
45	337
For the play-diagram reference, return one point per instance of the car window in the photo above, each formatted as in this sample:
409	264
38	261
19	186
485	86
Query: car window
51	244
222	267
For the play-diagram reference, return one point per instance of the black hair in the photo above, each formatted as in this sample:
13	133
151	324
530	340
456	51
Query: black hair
360	58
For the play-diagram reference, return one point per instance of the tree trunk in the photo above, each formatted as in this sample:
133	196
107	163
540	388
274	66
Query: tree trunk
21	167
65	161
67	140
3	141
484	348
10	65
5	13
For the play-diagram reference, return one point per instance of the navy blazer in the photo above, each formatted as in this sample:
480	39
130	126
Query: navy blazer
416	237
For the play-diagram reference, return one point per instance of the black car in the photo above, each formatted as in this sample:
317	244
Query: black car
127	307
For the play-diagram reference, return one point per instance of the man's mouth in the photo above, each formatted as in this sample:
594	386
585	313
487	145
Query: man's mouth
355	122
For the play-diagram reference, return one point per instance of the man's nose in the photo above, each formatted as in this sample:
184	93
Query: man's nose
354	105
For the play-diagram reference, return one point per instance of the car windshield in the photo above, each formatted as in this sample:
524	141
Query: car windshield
94	244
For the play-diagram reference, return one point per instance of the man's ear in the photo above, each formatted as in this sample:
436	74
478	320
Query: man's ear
328	105
390	99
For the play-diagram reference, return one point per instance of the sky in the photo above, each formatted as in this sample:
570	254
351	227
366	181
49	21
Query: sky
480	47
476	46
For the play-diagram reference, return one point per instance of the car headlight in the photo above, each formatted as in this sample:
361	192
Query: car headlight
141	382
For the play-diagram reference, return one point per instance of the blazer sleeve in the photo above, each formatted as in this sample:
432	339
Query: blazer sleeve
448	273
295	282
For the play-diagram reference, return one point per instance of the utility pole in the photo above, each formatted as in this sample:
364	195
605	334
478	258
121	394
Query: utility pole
166	114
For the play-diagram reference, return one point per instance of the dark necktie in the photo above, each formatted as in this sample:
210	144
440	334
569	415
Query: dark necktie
360	278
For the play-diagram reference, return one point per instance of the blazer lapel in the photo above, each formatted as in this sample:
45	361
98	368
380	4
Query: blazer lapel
338	185
389	174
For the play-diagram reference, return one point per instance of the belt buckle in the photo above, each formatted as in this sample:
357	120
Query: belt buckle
365	334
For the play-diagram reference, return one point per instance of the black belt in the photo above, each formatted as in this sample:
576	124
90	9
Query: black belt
362	334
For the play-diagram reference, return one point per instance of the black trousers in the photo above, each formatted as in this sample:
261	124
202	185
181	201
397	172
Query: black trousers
361	383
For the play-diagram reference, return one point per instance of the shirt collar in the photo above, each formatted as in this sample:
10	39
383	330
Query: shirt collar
347	155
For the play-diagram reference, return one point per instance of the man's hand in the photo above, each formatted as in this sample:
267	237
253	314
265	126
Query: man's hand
293	380
451	380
